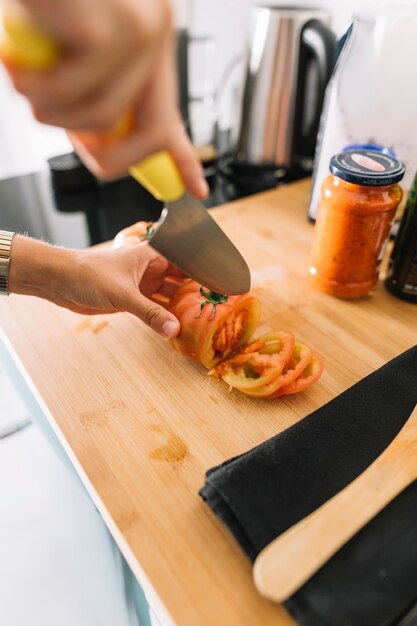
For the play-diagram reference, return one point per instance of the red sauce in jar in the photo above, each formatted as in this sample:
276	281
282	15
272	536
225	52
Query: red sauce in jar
354	221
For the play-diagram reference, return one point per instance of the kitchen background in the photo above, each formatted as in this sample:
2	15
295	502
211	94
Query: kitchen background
36	512
218	32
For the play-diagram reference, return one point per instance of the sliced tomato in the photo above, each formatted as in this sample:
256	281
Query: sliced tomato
257	364
299	359
215	330
211	331
310	374
132	235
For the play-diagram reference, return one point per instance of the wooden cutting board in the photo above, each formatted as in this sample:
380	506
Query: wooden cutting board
142	424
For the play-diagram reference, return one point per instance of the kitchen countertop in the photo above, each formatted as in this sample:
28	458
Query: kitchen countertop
142	424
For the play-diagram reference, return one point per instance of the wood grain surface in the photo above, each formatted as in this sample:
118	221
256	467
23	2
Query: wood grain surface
142	424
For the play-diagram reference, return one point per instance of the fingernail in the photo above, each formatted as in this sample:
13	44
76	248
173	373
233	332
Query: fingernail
170	329
204	188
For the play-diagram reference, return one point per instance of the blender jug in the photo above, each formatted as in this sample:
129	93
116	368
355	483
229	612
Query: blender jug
370	98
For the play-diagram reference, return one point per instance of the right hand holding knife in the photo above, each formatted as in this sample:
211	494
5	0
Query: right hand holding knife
112	56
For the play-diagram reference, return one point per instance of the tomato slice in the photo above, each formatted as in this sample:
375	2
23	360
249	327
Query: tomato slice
299	359
258	364
211	332
132	235
310	374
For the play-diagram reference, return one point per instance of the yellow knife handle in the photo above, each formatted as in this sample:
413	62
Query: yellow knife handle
24	44
160	175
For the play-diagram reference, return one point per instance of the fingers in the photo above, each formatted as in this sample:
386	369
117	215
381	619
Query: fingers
157	126
148	275
154	315
103	63
67	85
166	291
98	108
186	159
113	158
107	159
176	274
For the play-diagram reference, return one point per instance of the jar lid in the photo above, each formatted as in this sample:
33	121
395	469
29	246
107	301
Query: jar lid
369	146
367	167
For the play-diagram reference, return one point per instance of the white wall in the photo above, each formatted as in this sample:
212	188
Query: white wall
25	146
227	22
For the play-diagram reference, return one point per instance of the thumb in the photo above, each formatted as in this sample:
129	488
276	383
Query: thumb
154	315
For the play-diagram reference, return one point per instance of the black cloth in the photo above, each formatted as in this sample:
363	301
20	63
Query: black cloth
372	580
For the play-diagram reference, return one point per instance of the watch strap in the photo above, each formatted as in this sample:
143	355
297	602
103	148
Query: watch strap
6	238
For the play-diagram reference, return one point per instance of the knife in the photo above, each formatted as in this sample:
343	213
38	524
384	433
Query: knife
186	234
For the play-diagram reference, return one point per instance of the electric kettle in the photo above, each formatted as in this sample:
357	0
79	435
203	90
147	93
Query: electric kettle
289	63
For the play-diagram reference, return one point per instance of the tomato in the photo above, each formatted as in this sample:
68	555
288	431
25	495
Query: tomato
310	374
258	364
212	325
215	329
297	362
133	235
269	383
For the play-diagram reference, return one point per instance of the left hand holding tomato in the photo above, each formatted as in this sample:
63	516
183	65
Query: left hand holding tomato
94	281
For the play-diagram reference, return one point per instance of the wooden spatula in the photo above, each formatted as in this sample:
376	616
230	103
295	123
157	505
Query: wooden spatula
293	557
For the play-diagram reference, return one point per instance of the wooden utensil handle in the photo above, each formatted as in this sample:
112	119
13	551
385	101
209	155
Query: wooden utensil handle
293	557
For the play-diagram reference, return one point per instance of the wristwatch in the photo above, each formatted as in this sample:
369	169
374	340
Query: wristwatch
6	239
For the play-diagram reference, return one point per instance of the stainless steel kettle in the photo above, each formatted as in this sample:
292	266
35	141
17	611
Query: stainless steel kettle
289	63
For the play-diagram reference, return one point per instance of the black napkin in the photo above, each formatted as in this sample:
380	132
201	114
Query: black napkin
372	580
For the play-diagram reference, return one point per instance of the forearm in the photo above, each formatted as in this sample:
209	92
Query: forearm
37	268
93	281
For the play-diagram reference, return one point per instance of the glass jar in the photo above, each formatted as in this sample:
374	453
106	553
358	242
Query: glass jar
358	202
377	105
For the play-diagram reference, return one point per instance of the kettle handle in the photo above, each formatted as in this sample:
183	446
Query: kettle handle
320	42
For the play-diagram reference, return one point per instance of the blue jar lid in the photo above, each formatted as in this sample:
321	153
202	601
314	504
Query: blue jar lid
369	146
367	167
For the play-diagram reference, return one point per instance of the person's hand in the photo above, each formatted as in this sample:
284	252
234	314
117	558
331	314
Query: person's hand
95	281
116	57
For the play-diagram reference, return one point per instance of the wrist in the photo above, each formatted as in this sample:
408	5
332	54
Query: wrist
37	268
6	239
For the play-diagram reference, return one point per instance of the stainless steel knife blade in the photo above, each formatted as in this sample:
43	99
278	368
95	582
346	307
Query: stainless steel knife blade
192	241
